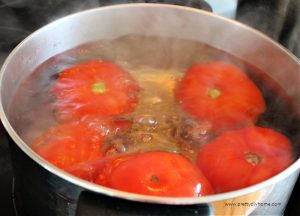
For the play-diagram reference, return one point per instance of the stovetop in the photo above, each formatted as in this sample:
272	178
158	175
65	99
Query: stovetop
6	177
19	18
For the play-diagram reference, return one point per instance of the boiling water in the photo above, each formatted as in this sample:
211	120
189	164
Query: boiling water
157	64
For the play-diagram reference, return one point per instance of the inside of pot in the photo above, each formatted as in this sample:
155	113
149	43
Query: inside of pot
158	116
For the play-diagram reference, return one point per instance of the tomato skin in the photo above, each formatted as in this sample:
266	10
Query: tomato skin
91	171
220	93
95	88
66	145
69	144
225	160
158	174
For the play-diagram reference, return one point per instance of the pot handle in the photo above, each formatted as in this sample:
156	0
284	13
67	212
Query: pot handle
199	4
90	203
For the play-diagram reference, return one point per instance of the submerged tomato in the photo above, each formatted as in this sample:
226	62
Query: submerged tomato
158	174
220	93
90	170
97	88
244	157
72	143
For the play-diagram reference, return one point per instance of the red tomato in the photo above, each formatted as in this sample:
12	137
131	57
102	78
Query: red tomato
241	158
72	143
97	88
220	93
90	170
158	174
96	171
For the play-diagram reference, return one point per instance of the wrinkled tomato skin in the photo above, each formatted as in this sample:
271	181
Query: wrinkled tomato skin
68	144
77	93
226	164
158	174
97	171
92	171
220	93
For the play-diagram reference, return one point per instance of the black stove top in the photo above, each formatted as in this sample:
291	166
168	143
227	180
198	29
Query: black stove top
21	17
6	177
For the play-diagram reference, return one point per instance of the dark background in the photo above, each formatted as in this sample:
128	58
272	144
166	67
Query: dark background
279	19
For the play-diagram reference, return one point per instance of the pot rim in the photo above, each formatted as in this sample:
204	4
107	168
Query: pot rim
126	195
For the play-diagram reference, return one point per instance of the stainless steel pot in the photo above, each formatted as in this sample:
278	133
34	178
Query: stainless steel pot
59	191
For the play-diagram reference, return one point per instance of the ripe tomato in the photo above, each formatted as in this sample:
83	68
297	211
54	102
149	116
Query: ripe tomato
71	143
90	170
241	158
158	174
220	93
96	88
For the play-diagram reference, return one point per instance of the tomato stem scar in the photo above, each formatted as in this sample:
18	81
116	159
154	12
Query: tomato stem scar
214	93
253	158
154	179
99	88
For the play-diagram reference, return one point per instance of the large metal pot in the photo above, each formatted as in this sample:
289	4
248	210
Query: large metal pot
42	189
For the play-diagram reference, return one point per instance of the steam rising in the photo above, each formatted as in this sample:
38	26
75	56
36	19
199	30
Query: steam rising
157	64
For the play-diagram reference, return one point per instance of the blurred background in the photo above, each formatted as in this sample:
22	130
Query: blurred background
279	19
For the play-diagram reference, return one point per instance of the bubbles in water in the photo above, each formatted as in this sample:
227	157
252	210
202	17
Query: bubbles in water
156	124
146	137
100	127
146	122
195	131
114	146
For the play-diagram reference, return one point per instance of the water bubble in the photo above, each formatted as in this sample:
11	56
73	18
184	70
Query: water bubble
114	146
102	128
146	137
196	131
146	122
